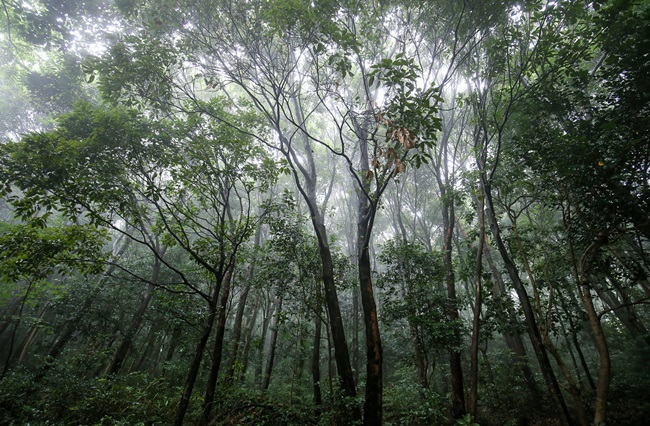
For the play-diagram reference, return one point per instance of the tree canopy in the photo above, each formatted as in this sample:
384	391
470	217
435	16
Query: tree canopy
211	208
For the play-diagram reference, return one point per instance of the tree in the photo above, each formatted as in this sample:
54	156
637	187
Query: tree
32	254
138	172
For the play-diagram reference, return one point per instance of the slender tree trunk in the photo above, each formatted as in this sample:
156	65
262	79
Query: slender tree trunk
374	385
315	355
274	339
455	361
514	341
71	324
151	341
524	300
604	367
146	351
175	338
341	354
355	334
367	209
12	337
308	191
196	362
330	360
626	316
239	315
421	366
266	321
576	345
130	333
237	334
633	267
572	386
247	339
31	336
473	393
14	307
211	386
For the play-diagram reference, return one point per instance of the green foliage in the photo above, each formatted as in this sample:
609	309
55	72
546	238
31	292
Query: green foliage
136	73
585	132
28	252
316	21
466	421
412	290
68	399
410	116
503	391
290	258
406	403
249	407
82	165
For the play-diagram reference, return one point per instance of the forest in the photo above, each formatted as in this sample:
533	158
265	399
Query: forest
325	212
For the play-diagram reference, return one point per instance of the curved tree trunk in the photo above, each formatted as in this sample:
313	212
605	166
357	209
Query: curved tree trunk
308	191
514	341
531	322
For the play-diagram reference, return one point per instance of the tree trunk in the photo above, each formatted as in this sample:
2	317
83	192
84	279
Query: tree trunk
572	386
274	339
455	361
604	366
176	337
355	334
259	370
513	340
473	393
31	336
10	312
129	335
12	335
71	324
341	354
633	267
626	316
308	191
148	349
421	365
524	300
211	386
196	363
248	337
315	355
239	315
237	334
374	385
